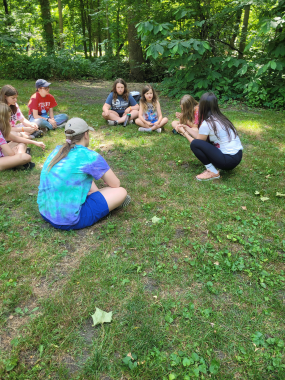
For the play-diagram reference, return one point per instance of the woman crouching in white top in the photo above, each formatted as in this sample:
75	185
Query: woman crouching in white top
224	151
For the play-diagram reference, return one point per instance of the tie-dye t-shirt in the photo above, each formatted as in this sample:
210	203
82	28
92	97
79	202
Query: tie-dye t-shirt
150	114
64	188
16	116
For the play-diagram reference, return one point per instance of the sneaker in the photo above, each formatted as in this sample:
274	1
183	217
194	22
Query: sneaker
141	129
126	202
158	130
112	122
28	151
131	122
174	131
38	133
43	129
207	176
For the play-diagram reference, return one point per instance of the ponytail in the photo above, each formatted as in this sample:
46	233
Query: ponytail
65	149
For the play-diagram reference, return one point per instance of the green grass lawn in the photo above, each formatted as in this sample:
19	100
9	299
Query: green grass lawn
198	293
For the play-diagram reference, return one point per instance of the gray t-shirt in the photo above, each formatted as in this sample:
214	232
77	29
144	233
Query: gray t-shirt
120	104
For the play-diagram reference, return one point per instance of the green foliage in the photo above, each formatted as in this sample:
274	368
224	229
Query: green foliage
62	65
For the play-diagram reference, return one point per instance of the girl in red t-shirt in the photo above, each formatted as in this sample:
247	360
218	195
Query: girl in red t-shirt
41	107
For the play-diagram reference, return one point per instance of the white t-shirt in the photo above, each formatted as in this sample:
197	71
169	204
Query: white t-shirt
222	141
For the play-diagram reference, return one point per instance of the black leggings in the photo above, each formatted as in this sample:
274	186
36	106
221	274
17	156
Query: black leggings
209	154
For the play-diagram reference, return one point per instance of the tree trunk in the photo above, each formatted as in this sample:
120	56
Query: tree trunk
60	22
135	50
99	40
244	31
89	28
118	30
47	23
236	28
83	28
6	7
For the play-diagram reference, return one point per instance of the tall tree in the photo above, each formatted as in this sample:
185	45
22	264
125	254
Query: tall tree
47	23
60	22
244	31
135	49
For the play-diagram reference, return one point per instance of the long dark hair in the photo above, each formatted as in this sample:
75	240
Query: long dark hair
65	148
8	90
209	111
143	100
126	91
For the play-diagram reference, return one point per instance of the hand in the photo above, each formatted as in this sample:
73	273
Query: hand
180	129
34	126
53	123
39	144
29	130
107	113
178	115
149	123
157	124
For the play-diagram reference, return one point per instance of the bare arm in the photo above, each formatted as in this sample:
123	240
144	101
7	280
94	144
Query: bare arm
111	179
159	114
141	116
51	118
132	108
186	134
37	116
106	108
7	151
19	139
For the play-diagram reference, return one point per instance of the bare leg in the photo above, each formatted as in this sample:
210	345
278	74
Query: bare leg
113	115
162	123
114	196
142	124
20	158
175	123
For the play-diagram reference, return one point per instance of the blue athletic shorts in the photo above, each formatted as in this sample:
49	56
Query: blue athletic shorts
93	209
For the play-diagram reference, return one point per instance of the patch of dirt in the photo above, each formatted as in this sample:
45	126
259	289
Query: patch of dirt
220	355
70	363
179	232
150	285
92	92
88	332
29	358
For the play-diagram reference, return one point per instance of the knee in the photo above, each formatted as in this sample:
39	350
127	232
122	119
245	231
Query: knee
123	192
166	120
194	143
25	158
65	116
174	123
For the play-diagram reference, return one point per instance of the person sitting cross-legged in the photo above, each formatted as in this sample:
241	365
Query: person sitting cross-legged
68	198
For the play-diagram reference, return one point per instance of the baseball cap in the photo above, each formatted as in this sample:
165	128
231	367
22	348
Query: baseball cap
77	125
42	83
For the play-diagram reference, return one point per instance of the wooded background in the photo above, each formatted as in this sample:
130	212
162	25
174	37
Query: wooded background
235	48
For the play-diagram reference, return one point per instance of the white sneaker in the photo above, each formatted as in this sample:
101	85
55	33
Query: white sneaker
112	122
141	129
158	130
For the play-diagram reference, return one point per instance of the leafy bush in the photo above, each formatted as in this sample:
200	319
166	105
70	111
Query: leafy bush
62	65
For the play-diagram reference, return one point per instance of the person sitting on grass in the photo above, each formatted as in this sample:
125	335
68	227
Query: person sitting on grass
26	129
41	107
150	116
119	103
189	115
13	154
68	198
224	151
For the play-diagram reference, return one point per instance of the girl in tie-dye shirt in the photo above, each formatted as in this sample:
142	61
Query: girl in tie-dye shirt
26	129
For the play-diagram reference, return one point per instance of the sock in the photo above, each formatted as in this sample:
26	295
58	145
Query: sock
212	168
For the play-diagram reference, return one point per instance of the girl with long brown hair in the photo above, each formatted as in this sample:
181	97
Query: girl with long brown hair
119	104
224	149
188	117
150	116
26	129
13	154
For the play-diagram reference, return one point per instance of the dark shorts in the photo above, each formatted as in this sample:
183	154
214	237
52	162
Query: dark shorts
93	209
120	112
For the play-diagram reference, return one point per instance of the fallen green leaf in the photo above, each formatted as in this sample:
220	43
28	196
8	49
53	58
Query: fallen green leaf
280	195
101	316
257	193
264	199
